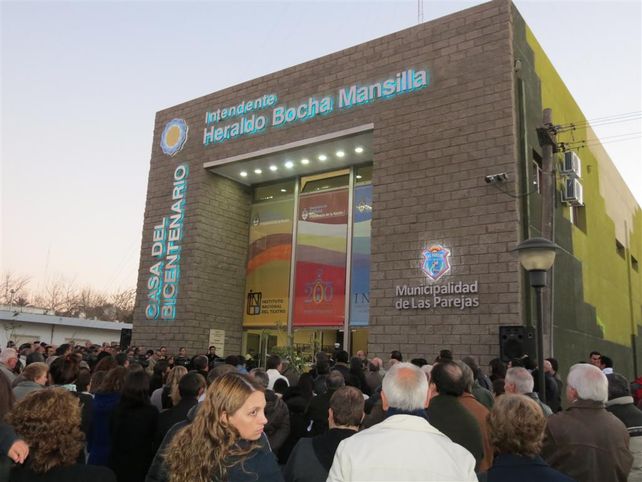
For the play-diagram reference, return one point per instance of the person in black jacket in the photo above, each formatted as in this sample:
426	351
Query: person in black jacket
317	413
621	405
49	421
277	427
223	440
297	399
357	377
311	459
132	426
63	373
190	387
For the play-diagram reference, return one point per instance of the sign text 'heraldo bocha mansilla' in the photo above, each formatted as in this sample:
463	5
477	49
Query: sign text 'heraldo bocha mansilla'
247	117
454	294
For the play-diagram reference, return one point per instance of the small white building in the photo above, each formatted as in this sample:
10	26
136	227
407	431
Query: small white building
27	327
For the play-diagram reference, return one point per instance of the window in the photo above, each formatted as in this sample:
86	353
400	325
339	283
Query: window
325	181
634	263
578	217
619	247
363	174
277	190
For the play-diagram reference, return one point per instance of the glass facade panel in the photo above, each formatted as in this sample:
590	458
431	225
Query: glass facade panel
319	278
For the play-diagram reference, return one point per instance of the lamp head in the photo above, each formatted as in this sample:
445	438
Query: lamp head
537	254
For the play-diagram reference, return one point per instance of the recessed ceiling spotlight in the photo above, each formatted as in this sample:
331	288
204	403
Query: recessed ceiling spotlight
305	161
257	171
289	164
358	149
340	153
284	190
273	168
243	173
323	157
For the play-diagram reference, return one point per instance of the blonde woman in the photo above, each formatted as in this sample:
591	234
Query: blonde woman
225	441
168	396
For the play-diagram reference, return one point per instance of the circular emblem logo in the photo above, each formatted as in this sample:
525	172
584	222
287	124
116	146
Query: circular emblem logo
174	136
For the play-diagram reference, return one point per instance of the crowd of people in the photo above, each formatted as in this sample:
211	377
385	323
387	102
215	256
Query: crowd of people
101	414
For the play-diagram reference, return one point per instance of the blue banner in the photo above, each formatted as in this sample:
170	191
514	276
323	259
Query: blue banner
360	279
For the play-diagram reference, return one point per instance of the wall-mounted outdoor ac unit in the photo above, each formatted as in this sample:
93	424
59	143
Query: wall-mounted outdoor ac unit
572	164
572	193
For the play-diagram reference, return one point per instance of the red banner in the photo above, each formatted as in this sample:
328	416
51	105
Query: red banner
320	285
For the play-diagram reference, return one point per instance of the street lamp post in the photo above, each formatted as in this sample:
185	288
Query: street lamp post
537	255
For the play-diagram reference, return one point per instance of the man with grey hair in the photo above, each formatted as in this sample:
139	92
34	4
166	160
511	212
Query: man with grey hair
519	381
585	441
404	446
8	361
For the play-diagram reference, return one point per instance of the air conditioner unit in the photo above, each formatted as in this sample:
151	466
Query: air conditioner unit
572	165
573	193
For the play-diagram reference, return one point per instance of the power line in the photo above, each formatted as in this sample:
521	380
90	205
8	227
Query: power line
565	146
608	120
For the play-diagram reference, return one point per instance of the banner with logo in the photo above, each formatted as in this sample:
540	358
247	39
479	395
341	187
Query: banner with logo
360	273
268	267
321	259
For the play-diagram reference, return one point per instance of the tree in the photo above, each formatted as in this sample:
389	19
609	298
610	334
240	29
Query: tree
123	302
57	297
13	288
62	298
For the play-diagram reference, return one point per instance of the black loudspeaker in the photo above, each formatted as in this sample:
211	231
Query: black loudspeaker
516	341
125	338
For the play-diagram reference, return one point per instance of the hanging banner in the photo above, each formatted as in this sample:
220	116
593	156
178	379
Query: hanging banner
321	259
360	273
268	266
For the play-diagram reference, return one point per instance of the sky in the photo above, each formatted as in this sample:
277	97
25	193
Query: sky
81	82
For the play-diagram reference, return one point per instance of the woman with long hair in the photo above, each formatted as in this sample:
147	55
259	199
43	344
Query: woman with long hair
167	396
49	421
133	426
297	398
226	440
105	402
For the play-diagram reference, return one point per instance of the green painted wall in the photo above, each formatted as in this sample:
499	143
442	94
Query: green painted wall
597	293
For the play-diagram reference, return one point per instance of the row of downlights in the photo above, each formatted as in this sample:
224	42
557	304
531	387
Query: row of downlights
305	161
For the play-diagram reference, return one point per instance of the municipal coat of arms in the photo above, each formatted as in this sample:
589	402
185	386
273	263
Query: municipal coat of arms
436	263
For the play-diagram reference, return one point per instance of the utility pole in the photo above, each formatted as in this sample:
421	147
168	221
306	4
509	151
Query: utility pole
548	140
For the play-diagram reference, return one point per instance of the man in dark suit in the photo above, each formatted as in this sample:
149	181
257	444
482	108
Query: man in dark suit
447	414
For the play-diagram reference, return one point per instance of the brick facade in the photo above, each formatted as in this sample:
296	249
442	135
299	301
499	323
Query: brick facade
431	151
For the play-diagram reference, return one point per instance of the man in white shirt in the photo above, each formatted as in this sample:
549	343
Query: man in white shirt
404	446
273	368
